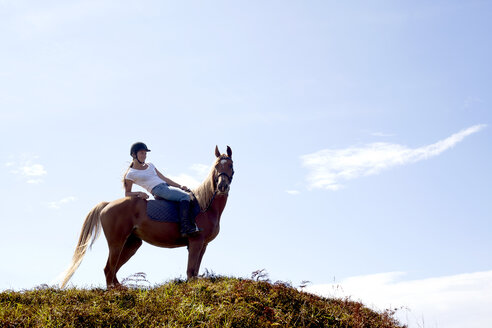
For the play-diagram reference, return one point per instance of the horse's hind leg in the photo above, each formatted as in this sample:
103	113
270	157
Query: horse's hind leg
132	244
110	269
119	255
117	236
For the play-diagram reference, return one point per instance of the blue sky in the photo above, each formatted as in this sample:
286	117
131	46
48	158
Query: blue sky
360	134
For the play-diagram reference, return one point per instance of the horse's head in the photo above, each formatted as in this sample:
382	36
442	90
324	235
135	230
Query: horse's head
224	170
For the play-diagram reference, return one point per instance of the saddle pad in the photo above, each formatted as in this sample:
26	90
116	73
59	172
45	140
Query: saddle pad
163	210
166	211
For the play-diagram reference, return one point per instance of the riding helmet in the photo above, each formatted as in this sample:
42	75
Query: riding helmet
138	146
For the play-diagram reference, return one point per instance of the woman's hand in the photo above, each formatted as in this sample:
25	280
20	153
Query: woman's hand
185	188
142	195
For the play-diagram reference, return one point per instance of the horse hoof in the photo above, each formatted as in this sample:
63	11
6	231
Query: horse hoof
118	287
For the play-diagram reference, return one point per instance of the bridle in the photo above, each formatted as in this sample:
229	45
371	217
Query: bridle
225	174
216	181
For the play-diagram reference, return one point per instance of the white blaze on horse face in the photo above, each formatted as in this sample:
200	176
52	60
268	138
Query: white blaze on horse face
223	161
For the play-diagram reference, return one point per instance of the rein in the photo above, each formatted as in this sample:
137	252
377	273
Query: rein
211	201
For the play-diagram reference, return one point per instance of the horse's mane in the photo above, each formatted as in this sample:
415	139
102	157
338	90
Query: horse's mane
205	192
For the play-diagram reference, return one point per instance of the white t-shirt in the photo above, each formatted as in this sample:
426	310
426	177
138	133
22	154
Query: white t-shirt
147	178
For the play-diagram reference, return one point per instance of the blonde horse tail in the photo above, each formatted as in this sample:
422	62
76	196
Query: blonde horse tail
90	230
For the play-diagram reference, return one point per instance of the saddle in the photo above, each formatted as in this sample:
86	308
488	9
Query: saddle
163	210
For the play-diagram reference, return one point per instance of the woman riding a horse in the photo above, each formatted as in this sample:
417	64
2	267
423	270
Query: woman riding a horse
126	224
148	177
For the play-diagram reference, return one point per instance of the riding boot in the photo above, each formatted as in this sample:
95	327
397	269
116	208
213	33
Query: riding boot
188	228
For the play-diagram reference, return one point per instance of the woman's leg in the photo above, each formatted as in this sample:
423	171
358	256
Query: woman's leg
188	226
170	193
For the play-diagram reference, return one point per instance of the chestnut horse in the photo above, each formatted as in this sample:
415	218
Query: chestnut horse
125	224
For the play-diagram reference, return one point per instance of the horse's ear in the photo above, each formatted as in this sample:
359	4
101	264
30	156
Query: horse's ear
229	152
217	152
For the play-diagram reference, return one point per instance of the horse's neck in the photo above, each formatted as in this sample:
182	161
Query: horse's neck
218	205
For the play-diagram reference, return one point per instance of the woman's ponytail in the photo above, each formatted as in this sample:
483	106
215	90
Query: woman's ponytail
124	175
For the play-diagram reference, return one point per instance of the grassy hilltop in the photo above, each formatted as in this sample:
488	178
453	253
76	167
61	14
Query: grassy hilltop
206	302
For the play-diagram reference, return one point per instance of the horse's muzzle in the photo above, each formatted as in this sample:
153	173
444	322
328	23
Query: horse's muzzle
223	188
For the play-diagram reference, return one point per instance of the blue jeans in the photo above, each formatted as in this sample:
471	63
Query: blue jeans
168	192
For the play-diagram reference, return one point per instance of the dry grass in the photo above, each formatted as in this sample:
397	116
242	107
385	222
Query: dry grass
207	302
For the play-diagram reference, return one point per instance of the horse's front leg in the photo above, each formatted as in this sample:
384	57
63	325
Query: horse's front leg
195	252
204	248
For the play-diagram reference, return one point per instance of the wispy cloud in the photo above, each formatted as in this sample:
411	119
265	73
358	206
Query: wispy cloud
329	167
56	205
33	170
33	173
293	192
451	301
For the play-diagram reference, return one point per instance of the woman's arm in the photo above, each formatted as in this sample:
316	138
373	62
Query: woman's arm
130	193
171	182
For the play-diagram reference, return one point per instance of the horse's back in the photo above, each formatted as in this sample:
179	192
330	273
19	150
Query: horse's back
128	209
126	216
